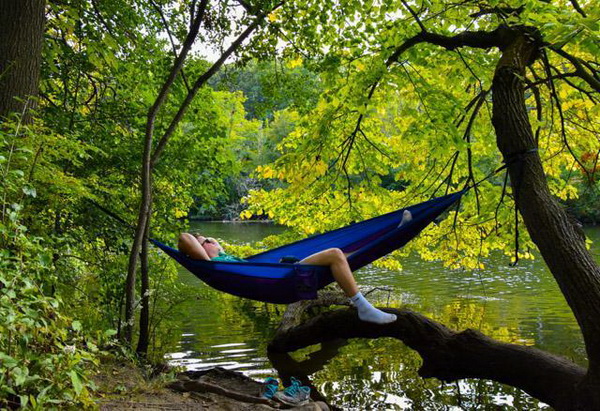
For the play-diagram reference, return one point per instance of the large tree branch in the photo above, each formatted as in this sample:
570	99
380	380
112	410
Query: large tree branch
447	355
500	37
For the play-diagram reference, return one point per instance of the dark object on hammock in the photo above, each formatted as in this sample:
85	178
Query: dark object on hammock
289	259
264	278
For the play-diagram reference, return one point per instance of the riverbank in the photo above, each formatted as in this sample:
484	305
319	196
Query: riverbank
124	386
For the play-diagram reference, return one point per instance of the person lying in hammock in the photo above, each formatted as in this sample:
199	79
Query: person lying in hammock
203	248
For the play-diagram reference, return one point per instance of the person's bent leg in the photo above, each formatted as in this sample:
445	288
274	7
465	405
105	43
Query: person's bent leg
335	259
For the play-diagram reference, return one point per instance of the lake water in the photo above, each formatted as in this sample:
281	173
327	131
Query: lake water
520	304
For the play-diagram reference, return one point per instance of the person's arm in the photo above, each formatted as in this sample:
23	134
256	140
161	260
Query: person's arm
190	246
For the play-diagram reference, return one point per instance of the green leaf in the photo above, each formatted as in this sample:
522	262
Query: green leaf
30	191
110	333
76	381
76	325
7	361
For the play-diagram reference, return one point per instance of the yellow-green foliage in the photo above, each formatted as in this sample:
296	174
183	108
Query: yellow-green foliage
354	157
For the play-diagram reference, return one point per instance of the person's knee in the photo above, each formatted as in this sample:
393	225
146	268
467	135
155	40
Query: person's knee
336	254
185	239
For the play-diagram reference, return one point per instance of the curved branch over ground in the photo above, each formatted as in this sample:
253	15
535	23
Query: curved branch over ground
448	355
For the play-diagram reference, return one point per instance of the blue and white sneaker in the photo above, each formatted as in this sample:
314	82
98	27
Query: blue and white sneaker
270	387
295	394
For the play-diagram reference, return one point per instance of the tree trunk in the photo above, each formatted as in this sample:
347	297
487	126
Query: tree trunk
447	355
144	340
21	37
150	159
560	242
143	217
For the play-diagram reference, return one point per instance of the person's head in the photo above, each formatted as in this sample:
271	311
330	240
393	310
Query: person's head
210	245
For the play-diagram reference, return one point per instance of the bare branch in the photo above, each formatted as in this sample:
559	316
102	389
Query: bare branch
467	138
554	95
470	69
374	145
171	40
416	17
560	76
580	70
448	179
577	7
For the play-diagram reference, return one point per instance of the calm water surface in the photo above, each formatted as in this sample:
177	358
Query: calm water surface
513	304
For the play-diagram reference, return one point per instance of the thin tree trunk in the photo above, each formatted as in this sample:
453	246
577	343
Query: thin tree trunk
143	216
146	172
21	39
143	342
151	159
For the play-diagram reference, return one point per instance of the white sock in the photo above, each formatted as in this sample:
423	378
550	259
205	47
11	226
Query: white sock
366	312
406	217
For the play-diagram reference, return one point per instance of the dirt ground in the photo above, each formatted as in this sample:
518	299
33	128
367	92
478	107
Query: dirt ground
126	387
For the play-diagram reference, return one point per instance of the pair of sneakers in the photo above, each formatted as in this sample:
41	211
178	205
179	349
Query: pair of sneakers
295	394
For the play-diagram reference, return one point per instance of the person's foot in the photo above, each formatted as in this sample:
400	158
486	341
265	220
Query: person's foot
366	312
376	316
269	388
294	395
406	217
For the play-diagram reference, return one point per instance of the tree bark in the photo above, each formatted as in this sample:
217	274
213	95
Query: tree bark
448	355
144	338
21	37
561	243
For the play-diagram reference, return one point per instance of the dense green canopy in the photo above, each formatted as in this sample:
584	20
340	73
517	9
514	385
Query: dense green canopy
312	113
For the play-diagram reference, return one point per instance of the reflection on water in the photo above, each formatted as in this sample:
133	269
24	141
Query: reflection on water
513	304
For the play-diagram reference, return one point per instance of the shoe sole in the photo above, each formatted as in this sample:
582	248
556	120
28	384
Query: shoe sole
291	402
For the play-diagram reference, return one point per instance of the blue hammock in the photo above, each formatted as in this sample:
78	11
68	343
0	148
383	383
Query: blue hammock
262	277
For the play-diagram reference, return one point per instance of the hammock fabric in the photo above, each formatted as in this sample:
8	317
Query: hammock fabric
262	277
